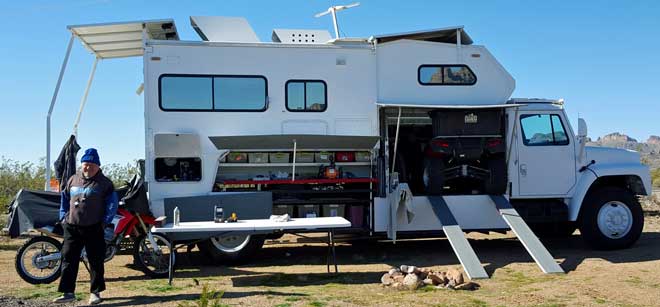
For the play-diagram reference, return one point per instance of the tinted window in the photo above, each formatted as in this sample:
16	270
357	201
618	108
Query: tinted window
186	93
543	130
213	93
306	96
239	93
446	75
178	169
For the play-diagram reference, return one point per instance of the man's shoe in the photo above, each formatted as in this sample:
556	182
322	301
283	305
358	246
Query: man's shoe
66	298
94	298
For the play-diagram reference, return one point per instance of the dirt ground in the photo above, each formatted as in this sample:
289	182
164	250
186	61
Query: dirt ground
292	273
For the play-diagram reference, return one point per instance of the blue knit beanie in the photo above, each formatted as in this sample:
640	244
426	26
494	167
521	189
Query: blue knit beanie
91	156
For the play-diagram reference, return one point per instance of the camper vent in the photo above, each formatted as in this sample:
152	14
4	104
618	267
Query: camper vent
292	36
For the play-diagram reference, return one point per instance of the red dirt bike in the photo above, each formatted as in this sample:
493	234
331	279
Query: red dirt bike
39	260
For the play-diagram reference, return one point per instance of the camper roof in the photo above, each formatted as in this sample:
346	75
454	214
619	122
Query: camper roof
441	35
122	39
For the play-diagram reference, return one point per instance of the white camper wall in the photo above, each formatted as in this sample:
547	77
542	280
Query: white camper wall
351	95
399	61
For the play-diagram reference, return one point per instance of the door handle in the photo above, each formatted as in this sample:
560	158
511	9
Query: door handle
523	169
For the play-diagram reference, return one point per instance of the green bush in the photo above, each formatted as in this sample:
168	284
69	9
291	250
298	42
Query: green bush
206	299
15	175
655	176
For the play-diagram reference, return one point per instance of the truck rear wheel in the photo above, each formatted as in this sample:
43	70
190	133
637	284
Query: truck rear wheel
611	218
232	249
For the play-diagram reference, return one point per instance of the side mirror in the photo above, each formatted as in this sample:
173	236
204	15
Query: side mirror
582	138
582	127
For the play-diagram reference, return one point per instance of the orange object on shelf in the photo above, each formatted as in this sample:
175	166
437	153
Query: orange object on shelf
54	185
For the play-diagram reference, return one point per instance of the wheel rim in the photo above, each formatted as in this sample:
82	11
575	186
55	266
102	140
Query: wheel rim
230	243
615	219
157	262
33	267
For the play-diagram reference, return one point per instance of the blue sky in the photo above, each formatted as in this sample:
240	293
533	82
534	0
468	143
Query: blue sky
602	57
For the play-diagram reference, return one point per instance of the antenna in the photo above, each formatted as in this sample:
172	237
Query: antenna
333	10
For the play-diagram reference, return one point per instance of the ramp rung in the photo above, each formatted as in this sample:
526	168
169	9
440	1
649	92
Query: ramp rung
532	244
466	255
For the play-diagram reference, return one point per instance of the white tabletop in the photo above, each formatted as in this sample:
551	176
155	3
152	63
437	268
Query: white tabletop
256	225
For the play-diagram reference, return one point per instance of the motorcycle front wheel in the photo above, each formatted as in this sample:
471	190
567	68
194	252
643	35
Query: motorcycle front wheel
154	263
39	260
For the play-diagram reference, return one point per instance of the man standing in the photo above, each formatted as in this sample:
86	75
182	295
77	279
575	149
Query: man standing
89	202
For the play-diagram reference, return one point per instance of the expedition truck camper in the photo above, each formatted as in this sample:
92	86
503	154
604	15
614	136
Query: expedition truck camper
405	135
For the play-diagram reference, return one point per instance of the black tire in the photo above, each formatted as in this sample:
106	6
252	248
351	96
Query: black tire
18	263
154	266
613	197
239	255
496	183
434	170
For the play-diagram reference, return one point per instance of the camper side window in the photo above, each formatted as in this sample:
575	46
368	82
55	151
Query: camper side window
213	93
178	169
306	95
446	75
543	130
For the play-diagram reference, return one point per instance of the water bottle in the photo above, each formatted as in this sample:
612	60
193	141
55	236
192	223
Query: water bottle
176	216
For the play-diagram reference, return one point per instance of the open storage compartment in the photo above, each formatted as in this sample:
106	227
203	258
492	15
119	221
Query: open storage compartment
448	151
302	174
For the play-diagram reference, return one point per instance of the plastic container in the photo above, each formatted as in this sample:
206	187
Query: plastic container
237	157
322	157
279	157
283	209
356	215
304	157
258	157
345	156
309	211
362	156
333	210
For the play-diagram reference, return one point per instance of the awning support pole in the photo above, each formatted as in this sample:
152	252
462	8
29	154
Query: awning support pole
50	110
83	100
396	140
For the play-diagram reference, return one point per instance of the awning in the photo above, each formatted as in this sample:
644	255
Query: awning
442	35
446	106
122	39
303	142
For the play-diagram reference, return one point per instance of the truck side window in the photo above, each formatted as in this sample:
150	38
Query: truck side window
543	130
457	74
306	95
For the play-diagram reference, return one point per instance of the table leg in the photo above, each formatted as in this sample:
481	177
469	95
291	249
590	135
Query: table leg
327	257
332	244
170	268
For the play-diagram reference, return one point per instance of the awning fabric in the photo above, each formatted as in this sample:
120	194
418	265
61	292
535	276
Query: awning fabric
303	142
445	106
442	35
122	39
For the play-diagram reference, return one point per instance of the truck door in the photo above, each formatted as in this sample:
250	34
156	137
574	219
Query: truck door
546	154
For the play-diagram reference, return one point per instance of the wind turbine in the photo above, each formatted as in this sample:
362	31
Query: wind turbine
333	10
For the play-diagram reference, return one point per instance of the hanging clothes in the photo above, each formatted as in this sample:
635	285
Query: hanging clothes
65	165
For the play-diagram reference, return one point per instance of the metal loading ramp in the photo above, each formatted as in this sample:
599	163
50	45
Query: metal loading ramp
466	255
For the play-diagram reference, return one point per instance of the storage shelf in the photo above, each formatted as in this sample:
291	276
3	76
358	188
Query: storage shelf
291	164
299	181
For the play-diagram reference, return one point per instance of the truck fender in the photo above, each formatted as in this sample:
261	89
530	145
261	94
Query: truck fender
635	177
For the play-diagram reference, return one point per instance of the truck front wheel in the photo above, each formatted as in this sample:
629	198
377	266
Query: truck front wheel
611	218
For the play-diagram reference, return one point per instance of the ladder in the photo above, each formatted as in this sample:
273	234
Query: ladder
466	255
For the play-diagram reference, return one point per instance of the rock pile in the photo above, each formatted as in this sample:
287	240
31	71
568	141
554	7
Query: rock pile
411	277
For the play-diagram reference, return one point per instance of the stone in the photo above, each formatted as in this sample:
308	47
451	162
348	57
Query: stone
412	269
428	282
386	279
404	268
437	278
455	277
468	286
398	278
411	281
392	271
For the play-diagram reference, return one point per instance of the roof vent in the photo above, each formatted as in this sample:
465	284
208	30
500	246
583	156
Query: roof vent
293	36
223	29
